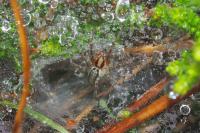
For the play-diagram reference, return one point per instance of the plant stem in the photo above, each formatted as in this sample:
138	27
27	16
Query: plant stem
148	95
185	42
26	63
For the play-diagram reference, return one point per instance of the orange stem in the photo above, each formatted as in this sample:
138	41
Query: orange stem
147	113
71	123
184	42
148	95
149	49
26	64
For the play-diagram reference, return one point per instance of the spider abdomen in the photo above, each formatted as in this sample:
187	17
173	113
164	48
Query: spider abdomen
100	61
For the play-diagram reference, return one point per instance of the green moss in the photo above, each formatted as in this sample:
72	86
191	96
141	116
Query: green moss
173	68
9	47
104	105
124	114
51	48
192	4
196	51
184	18
91	1
185	69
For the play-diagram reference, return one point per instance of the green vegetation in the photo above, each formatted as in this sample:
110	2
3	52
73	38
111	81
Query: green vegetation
124	113
192	4
184	16
103	104
51	48
89	1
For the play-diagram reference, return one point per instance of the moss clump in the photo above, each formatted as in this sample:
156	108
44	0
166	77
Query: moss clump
185	69
51	48
196	51
192	4
182	17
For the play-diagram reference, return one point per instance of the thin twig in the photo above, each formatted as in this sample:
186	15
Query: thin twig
74	122
148	95
26	64
149	49
185	42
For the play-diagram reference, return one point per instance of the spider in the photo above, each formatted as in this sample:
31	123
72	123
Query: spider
100	65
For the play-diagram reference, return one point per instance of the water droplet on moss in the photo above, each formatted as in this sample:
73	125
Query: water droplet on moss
27	17
44	1
122	10
54	3
5	26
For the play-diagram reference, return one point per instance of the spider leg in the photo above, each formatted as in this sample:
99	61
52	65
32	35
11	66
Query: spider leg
108	87
96	86
108	55
87	62
91	48
91	53
110	50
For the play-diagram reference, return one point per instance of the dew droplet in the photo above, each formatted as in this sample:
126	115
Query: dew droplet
44	1
172	95
138	8
28	5
95	16
108	7
108	16
68	25
102	4
51	30
54	3
44	122
90	9
39	23
122	10
63	39
185	109
5	26
27	18
157	34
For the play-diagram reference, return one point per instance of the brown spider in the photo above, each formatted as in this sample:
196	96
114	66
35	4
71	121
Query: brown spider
100	66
